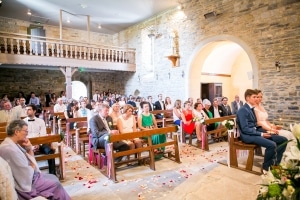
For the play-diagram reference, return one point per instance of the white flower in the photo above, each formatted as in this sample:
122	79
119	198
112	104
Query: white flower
296	130
287	192
231	122
263	190
224	122
269	178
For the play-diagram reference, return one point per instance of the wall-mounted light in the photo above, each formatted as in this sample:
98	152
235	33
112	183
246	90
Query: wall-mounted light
179	7
28	12
278	66
99	26
182	74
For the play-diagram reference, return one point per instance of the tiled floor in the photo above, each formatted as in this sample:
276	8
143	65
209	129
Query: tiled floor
199	176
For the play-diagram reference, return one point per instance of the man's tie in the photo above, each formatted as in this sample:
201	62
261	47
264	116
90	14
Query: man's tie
105	124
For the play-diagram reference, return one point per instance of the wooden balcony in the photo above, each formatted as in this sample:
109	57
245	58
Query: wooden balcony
19	49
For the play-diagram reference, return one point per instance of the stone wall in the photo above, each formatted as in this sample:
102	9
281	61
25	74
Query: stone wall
13	81
270	29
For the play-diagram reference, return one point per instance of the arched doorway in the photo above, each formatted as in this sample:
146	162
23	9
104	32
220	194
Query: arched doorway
224	60
78	89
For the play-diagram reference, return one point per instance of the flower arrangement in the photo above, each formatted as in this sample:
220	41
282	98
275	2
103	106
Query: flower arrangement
229	124
283	182
197	119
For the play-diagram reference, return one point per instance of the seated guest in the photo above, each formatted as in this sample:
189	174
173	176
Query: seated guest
115	113
251	133
100	126
16	149
34	100
159	104
36	128
177	112
200	116
71	112
236	104
146	121
262	120
8	113
168	103
217	112
207	105
188	124
59	106
83	111
132	101
126	124
225	107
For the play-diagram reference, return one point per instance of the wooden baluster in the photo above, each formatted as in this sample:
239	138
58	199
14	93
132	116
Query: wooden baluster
18	46
47	49
101	52
94	56
42	48
122	56
52	49
76	53
80	57
5	45
109	55
30	48
88	53
11	46
97	54
24	47
84	51
61	50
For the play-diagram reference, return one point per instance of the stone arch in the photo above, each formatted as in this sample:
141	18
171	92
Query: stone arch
253	75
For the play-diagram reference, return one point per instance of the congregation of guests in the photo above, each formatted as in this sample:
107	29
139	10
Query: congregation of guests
111	113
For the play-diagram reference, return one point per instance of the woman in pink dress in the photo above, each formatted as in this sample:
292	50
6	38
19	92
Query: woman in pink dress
188	124
262	120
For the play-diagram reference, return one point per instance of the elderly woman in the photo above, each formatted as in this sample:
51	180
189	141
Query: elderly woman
16	149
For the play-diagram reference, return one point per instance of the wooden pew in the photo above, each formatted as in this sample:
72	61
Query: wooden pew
81	122
167	117
59	122
58	154
235	144
149	148
205	133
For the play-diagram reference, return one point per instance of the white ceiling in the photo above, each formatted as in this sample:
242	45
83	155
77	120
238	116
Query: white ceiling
112	15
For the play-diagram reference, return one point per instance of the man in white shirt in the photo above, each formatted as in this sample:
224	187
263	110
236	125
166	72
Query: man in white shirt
36	128
59	106
8	113
96	96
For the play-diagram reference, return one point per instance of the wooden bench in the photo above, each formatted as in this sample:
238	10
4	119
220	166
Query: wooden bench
59	122
149	148
81	122
205	133
167	117
58	154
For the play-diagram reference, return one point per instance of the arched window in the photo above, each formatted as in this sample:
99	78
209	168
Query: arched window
78	90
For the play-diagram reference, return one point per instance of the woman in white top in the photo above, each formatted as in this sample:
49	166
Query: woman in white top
177	111
168	103
115	113
127	124
262	120
200	116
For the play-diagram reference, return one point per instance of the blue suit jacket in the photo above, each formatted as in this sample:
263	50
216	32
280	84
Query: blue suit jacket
246	121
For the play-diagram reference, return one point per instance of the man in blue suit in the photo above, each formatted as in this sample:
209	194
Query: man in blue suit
251	133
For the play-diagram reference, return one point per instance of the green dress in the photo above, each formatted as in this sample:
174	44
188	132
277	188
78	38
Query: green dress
156	139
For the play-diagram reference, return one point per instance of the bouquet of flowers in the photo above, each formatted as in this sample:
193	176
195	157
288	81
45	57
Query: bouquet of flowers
283	182
197	119
229	124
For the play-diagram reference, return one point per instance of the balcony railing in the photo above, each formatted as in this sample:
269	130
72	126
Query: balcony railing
20	44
